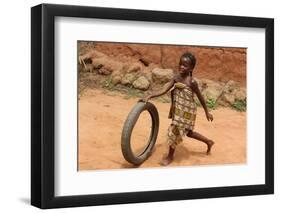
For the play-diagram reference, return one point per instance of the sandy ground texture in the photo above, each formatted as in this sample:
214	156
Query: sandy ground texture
103	113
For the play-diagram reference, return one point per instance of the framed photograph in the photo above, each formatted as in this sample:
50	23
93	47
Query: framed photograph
136	106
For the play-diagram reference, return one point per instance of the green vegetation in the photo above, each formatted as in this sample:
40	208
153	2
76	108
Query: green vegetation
107	84
211	103
129	90
240	105
132	92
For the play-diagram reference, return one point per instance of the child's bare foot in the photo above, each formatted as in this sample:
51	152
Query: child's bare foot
210	144
166	161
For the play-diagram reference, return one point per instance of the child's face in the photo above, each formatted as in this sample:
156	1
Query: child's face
185	65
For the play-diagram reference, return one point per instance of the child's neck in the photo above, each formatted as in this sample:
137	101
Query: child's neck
185	75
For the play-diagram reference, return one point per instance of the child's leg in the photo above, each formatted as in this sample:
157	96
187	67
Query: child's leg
169	158
202	138
173	139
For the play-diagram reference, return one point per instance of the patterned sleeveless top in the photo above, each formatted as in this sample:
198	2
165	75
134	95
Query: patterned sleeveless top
183	108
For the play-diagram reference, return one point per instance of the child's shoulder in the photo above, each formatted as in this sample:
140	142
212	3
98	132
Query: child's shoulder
193	83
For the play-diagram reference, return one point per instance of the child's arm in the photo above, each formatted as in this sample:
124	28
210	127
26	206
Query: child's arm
159	93
195	88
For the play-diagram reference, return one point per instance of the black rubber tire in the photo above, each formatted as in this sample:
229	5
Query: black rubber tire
128	128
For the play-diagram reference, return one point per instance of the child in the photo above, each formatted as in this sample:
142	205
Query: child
183	107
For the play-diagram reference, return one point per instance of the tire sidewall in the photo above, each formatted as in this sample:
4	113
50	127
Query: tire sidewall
128	127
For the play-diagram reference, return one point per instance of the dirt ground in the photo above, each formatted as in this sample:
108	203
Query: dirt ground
102	115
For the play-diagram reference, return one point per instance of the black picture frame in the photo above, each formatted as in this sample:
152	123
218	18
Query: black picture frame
43	102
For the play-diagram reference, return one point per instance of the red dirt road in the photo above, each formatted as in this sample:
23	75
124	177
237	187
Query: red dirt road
103	113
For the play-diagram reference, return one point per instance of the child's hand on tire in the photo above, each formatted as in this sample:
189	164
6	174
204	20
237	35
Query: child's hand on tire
145	99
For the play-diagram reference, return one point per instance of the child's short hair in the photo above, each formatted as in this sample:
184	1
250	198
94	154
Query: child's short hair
190	56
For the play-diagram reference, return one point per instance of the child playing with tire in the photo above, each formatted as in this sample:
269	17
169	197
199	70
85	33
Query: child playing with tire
183	107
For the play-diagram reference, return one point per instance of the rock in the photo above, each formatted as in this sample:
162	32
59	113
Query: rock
223	94
162	75
231	93
116	79
134	67
117	73
230	86
211	93
125	68
141	83
105	65
240	94
129	78
104	71
226	99
210	89
147	71
148	76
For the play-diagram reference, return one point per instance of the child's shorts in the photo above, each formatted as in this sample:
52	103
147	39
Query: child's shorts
175	135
